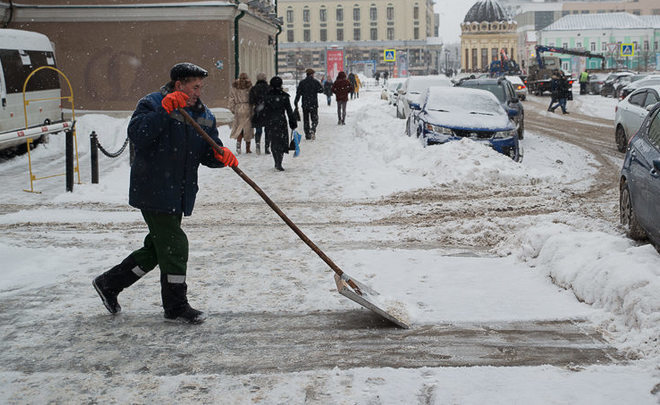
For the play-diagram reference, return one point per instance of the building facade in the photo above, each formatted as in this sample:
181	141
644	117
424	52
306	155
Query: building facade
487	34
605	34
363	29
116	51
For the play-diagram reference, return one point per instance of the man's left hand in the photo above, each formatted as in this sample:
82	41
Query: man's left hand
226	158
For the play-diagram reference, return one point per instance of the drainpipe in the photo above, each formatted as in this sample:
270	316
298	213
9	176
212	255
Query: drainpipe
243	8
5	23
277	46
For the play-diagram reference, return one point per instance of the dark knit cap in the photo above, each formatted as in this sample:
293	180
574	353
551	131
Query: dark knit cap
185	70
276	82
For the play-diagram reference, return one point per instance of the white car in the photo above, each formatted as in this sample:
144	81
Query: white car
389	91
631	111
412	90
518	86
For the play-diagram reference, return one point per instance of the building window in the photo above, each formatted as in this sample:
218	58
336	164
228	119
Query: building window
323	15
474	59
374	34
467	59
340	34
356	13
593	47
493	54
373	13
289	35
603	46
390	35
484	58
390	12
340	14
356	34
289	15
416	12
416	33
656	45
306	15
323	34
637	12
646	45
307	35
565	45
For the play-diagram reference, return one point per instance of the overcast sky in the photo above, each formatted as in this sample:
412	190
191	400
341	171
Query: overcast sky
452	13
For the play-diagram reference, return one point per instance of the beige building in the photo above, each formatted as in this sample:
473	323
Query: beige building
116	51
362	28
487	32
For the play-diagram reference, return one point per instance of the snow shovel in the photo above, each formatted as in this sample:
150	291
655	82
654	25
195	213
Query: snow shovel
346	285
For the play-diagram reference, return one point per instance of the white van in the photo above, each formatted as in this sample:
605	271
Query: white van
22	52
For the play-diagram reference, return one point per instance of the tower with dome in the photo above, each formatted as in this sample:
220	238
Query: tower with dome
488	33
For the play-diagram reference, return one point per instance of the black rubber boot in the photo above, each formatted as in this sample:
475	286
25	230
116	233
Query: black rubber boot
109	284
175	301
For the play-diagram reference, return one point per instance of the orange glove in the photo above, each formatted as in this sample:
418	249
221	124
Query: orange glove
227	158
174	100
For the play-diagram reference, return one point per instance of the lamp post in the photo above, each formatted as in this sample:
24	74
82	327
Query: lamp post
447	62
242	7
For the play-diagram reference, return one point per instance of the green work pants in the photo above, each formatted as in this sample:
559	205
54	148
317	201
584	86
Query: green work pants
166	245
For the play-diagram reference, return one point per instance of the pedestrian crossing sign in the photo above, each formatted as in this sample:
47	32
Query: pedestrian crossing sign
627	49
390	55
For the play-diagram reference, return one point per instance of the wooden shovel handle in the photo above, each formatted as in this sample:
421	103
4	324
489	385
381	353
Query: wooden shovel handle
272	204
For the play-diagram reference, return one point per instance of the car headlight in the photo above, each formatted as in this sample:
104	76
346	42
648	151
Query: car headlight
504	134
438	129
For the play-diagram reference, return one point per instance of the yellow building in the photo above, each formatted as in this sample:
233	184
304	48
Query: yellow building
486	33
362	28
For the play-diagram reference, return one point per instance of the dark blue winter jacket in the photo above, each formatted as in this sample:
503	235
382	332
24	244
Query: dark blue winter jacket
167	155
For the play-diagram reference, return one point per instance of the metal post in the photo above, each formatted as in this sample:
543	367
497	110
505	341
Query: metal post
242	7
69	160
94	156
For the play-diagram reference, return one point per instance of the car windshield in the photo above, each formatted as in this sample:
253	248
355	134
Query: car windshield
419	86
494	88
457	99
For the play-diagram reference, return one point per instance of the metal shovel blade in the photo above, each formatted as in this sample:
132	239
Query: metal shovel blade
369	300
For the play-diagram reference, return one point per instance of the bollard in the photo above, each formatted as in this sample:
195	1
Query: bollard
94	155
69	160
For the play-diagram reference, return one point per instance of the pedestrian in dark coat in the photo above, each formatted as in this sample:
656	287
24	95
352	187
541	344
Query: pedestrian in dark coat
327	89
278	109
257	94
563	93
351	78
341	87
554	89
309	89
163	186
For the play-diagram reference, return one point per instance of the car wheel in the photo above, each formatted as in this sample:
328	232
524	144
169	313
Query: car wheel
521	127
627	215
621	139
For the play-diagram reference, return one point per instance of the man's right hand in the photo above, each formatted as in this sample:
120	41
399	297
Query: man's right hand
174	100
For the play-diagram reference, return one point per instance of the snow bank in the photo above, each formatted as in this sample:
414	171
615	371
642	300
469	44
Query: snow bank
608	271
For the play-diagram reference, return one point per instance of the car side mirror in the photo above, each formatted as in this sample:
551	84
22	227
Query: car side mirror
415	106
401	91
512	112
650	107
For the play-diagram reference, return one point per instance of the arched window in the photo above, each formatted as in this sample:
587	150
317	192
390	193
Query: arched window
306	14
356	12
289	14
390	12
323	14
340	13
416	12
373	12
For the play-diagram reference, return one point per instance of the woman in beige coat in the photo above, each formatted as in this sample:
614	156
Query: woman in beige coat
239	97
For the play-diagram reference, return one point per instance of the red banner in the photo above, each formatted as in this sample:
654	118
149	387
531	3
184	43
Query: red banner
334	62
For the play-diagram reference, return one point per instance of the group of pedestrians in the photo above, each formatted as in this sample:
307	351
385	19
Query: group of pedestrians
264	108
560	90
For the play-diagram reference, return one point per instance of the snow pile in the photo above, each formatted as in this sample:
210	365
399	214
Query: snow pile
605	270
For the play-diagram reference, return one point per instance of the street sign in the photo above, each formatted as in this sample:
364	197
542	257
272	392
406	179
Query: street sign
390	55
611	48
627	49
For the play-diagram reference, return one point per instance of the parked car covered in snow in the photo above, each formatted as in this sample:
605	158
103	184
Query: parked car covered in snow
631	111
648	80
449	114
639	185
609	85
389	91
412	90
505	93
595	82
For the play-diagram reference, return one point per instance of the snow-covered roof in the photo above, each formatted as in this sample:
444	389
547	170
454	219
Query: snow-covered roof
651	20
574	22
